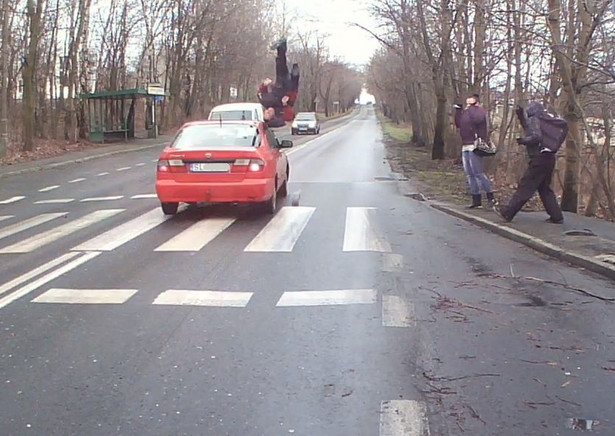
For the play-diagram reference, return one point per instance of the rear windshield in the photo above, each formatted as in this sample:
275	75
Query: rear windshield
232	115
305	117
215	135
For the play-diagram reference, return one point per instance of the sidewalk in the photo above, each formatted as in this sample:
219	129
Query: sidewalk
569	242
89	153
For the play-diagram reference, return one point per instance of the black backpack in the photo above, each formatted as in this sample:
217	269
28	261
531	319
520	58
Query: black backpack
554	131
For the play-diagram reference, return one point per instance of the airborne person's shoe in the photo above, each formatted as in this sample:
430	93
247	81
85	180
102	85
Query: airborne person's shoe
280	42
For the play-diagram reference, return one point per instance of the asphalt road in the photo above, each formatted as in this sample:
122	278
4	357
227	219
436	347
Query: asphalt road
363	313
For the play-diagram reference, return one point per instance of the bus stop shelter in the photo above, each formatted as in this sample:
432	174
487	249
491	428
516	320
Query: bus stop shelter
112	113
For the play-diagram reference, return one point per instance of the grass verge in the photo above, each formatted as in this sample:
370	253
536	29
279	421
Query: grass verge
437	179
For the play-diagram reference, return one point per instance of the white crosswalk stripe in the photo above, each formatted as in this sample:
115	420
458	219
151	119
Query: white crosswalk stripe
29	223
49	236
283	231
123	233
362	232
197	235
279	235
175	297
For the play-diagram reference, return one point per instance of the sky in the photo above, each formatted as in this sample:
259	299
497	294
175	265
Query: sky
332	17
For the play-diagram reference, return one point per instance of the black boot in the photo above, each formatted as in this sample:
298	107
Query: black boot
490	200
476	202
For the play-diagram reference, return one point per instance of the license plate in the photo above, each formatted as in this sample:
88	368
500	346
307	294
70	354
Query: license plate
302	128
211	167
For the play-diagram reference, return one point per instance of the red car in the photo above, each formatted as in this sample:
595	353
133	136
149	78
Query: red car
223	162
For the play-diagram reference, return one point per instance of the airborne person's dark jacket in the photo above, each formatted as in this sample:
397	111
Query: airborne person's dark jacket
531	126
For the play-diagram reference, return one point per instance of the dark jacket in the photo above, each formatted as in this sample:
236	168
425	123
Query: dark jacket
472	123
531	126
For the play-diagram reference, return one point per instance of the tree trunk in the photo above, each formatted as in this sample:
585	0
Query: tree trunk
35	10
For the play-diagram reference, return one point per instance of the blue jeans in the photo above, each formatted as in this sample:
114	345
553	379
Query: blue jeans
473	167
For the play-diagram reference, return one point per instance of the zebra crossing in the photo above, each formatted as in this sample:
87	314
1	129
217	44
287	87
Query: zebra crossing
279	235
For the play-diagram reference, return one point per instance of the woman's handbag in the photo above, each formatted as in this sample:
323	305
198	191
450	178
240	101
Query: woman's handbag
484	148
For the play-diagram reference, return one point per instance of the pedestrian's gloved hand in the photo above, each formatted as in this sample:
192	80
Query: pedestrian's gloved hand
520	112
458	106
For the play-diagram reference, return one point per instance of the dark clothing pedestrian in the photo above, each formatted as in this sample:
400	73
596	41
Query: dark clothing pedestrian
472	124
284	91
537	177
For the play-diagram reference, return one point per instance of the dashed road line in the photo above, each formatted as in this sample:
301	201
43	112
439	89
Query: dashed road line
80	179
403	418
142	196
6	217
110	198
102	174
85	296
56	201
140	164
123	169
327	298
13	199
397	312
49	188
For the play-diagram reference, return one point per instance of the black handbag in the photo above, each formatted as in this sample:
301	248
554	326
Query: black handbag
484	148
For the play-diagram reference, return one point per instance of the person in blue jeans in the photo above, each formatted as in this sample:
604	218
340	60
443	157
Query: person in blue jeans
472	124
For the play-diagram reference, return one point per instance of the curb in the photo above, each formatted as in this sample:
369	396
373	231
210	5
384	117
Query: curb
77	160
532	242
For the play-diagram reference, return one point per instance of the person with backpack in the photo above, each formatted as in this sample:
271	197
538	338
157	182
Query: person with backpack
472	124
544	135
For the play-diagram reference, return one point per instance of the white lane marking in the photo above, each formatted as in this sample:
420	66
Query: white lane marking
56	201
123	169
361	232
283	231
29	223
397	312
403	418
154	160
49	188
122	234
85	296
80	179
102	174
44	238
12	199
197	235
392	262
175	297
140	196
46	279
36	271
6	217
140	164
111	198
327	298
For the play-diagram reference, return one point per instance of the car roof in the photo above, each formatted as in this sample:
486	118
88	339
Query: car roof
237	106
